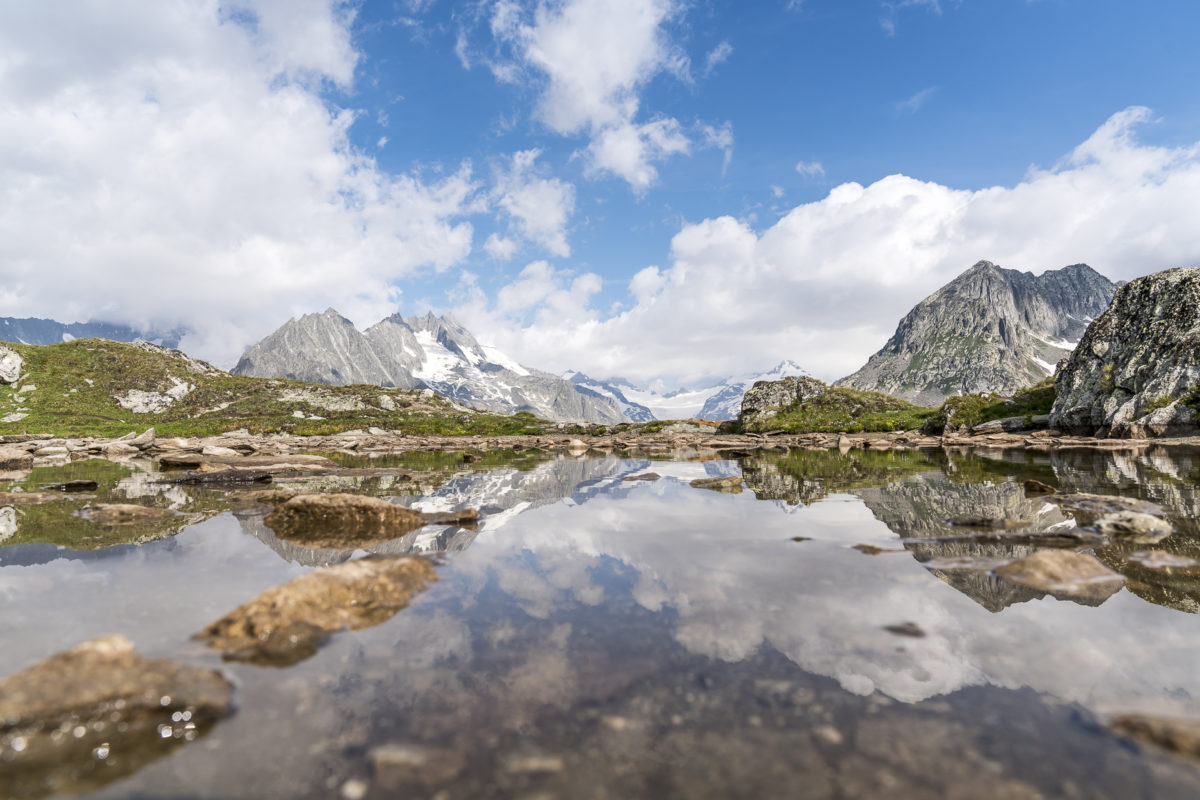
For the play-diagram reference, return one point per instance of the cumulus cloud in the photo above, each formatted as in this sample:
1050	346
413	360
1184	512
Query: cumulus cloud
827	283
538	206
590	61
177	163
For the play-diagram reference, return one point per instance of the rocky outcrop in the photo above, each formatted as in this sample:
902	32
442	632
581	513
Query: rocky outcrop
988	330
1137	370
767	398
420	352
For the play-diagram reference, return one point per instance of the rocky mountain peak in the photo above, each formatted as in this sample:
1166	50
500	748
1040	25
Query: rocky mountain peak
990	329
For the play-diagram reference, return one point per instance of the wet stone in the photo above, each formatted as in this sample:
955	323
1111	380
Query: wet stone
1133	526
13	458
98	713
398	764
287	624
645	476
909	629
1062	573
731	484
123	513
72	486
342	521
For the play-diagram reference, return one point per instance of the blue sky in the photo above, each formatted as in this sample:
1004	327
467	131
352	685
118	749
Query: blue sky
668	190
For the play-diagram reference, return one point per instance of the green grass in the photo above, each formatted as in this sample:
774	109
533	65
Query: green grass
66	404
843	410
975	409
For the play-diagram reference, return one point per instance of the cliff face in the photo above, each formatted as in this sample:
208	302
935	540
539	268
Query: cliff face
988	330
1137	370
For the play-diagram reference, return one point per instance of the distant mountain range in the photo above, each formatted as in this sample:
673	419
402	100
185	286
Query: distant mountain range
31	330
721	401
988	330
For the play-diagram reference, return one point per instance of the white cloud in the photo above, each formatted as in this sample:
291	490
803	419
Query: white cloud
717	56
501	248
913	104
827	284
591	61
540	207
175	163
720	137
891	9
810	169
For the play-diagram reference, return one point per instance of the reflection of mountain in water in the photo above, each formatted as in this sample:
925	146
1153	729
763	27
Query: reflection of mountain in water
919	507
499	495
807	476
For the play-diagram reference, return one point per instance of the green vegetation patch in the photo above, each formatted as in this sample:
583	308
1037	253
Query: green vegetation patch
80	385
975	409
843	410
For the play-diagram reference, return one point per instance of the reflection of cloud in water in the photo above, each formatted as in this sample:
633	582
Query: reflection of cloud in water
725	566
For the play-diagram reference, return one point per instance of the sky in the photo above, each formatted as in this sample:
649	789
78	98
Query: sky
669	191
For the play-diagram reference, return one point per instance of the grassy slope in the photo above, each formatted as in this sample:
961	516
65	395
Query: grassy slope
66	404
843	410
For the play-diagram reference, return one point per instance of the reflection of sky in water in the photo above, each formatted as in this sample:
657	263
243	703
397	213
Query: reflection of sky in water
568	547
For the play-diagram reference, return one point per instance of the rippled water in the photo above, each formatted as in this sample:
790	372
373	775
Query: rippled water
594	637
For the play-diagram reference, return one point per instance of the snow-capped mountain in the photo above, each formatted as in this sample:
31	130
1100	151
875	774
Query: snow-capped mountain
420	352
718	402
31	330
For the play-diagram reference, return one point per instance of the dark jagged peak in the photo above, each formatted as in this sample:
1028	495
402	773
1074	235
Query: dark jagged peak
990	329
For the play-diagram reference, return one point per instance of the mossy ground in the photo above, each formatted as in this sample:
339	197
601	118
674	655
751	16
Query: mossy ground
78	383
843	410
974	409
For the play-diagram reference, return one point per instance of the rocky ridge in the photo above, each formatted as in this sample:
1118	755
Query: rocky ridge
419	352
988	330
1136	371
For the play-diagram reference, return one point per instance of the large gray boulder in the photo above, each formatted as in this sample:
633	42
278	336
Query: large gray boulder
765	399
10	365
1137	370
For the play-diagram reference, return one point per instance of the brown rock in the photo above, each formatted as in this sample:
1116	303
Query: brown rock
1035	488
399	764
1064	573
1177	735
645	476
15	458
1134	526
286	624
342	521
119	711
731	484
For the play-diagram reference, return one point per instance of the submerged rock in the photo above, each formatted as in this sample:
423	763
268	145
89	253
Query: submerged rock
1177	735
340	521
97	713
731	484
1133	526
645	476
1063	573
123	513
15	458
286	624
1087	508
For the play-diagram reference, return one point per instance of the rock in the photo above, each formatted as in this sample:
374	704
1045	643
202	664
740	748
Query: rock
731	484
119	711
1136	372
1161	559
399	764
909	629
1086	508
119	449
465	516
143	441
10	365
988	522
765	399
13	417
122	513
342	521
645	476
286	624
224	452
51	450
1177	735
8	523
1064	573
72	486
873	550
577	446
219	477
988	330
387	403
26	498
1036	488
1133	526
1006	425
15	458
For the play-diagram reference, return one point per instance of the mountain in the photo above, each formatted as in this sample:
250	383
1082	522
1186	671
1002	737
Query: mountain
719	402
420	352
988	330
32	330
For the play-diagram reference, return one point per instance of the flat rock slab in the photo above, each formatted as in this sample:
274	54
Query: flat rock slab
287	624
27	498
731	484
645	476
97	713
292	462
15	458
1064	574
